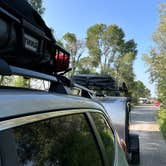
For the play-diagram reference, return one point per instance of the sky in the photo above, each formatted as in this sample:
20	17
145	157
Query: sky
137	18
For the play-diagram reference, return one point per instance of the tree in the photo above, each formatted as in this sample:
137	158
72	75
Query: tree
156	59
123	64
111	53
140	90
37	5
85	66
103	43
60	43
75	47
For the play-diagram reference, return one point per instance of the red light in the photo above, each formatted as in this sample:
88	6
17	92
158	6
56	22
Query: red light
123	145
61	62
157	103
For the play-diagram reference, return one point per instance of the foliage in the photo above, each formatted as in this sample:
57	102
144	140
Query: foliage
60	43
6	80
111	53
157	56
75	47
162	121
37	5
59	141
124	71
106	136
85	66
21	82
140	90
103	43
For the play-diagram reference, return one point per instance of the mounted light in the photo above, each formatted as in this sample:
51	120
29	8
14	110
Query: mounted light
123	145
61	59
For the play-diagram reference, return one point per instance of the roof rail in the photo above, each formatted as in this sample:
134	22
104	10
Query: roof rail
8	70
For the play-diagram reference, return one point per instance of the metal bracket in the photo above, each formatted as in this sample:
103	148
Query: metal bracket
4	68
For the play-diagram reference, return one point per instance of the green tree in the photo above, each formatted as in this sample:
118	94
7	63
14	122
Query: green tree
103	43
123	64
140	90
85	66
22	82
60	43
37	5
157	56
75	47
111	53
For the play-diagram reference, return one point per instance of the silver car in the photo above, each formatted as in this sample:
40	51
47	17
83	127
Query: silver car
103	90
48	128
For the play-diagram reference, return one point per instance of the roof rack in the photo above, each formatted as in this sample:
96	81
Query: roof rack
27	41
8	70
98	81
28	47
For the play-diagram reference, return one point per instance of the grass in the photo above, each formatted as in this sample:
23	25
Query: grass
162	121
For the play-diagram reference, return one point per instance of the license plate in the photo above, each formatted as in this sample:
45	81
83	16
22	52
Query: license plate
31	43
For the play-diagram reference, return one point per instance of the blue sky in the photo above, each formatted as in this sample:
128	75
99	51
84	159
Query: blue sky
138	19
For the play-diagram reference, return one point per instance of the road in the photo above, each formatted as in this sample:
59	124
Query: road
152	145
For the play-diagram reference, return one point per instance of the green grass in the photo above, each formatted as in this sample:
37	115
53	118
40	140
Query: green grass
162	121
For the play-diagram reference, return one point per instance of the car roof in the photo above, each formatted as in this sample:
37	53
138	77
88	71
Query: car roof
19	102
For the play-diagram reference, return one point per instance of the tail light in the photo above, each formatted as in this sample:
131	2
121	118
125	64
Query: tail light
61	59
123	145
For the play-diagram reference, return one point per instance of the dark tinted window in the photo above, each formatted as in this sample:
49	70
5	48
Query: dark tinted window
57	142
106	134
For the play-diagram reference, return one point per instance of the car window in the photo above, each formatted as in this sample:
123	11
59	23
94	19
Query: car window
106	134
59	141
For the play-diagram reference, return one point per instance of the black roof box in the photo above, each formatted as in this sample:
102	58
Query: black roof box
23	10
25	39
95	81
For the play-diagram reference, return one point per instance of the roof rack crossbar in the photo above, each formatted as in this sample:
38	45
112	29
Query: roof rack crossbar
32	74
7	70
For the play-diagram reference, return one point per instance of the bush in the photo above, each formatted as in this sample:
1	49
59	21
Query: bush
162	121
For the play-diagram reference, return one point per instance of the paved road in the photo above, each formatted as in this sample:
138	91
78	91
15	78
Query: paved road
152	145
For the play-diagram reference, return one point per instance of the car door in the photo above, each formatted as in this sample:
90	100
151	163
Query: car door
53	138
108	137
